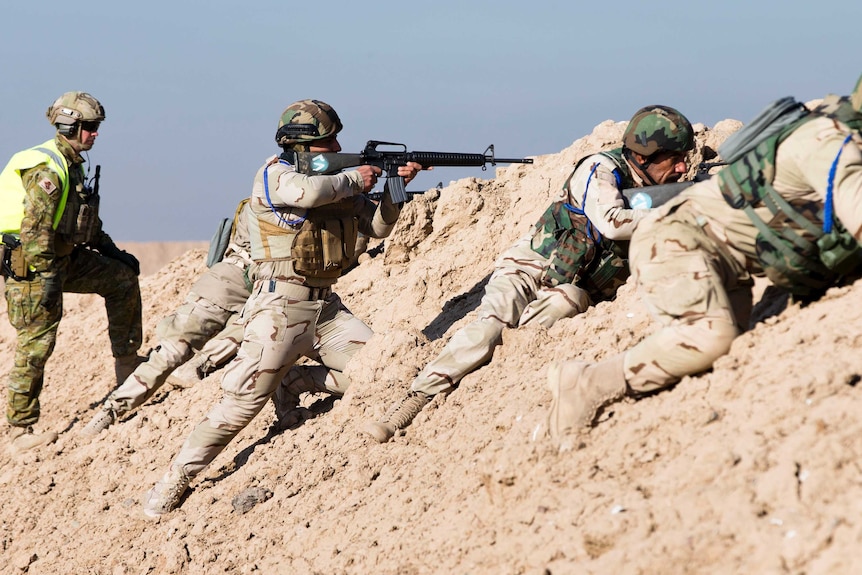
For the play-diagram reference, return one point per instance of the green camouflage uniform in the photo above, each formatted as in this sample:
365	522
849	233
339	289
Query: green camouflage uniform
530	283
54	256
210	310
694	261
289	314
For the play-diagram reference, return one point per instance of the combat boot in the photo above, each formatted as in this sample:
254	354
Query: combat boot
24	439
166	494
188	374
398	417
124	365
580	389
102	421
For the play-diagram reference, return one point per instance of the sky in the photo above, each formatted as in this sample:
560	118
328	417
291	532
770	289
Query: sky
193	89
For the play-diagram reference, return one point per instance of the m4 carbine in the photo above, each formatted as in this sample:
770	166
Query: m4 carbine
324	163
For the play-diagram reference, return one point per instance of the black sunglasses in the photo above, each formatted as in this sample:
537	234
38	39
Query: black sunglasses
90	126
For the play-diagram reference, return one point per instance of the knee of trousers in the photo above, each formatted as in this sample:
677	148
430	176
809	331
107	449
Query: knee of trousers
236	411
676	351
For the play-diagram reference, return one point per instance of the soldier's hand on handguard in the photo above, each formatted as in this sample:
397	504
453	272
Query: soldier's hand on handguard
410	171
369	177
129	260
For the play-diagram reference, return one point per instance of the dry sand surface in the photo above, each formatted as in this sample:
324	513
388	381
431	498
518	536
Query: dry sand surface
753	467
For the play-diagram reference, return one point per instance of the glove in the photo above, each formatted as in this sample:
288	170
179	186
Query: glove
129	260
52	292
115	253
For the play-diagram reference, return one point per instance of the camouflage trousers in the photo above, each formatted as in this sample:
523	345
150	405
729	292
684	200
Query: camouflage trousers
83	271
512	298
280	328
213	302
698	292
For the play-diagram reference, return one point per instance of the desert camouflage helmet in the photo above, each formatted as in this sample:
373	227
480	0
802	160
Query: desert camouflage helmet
656	128
305	121
74	107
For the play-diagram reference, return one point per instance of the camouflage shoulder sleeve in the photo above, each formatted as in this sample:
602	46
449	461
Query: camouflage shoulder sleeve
43	190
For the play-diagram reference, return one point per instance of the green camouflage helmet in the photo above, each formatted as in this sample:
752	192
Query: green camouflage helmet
306	121
856	96
73	107
656	128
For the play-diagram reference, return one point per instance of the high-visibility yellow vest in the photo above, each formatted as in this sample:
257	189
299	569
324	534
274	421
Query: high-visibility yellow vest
12	190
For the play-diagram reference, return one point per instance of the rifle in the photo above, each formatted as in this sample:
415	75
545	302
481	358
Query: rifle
654	196
313	163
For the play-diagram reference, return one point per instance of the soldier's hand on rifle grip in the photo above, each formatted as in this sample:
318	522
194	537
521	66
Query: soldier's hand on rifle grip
369	177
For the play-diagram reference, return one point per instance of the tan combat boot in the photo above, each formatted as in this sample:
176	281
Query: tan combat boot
24	439
580	389
124	365
300	379
188	374
399	417
166	494
100	422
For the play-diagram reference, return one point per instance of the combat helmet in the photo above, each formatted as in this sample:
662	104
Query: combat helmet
856	96
306	121
656	128
71	108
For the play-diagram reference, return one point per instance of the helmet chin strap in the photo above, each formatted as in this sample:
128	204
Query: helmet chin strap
642	168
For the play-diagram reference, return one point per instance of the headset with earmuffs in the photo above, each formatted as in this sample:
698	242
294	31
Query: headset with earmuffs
67	129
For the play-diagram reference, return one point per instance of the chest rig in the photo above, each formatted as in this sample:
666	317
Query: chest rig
577	252
80	222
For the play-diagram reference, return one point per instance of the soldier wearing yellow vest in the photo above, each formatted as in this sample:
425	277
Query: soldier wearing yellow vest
49	214
303	233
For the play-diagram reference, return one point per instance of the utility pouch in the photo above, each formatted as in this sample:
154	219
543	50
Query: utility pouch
87	223
319	248
608	273
840	252
18	268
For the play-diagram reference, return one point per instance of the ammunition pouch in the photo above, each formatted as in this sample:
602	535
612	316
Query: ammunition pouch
325	244
607	272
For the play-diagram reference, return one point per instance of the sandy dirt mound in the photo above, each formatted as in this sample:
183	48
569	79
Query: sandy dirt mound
750	468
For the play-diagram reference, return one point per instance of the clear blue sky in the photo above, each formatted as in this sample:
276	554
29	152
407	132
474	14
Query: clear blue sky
193	89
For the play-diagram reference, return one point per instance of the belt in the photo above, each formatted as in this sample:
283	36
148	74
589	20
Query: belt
295	291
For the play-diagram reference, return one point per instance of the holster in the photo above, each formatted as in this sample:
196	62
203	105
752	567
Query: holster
14	263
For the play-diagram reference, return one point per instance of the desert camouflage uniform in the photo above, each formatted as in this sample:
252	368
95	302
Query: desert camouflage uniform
53	254
523	287
289	314
211	309
693	262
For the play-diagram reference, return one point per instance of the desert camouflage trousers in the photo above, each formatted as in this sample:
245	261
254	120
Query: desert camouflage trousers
279	330
696	290
83	271
213	302
512	298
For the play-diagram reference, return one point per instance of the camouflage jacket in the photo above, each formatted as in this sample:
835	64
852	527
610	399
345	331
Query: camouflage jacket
42	244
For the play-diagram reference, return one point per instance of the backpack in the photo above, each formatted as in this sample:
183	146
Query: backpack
802	248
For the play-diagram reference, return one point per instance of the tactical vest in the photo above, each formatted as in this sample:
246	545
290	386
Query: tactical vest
80	223
577	252
12	190
319	244
799	248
